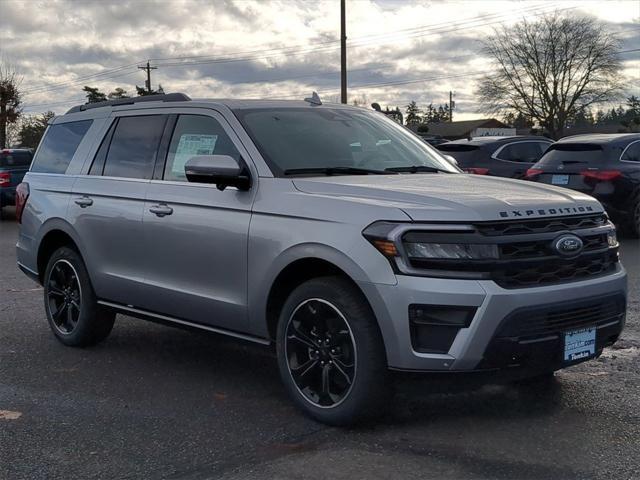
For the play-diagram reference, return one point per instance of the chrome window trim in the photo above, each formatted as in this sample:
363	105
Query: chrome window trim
495	154
625	151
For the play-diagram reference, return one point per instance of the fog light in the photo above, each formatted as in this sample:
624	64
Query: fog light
612	238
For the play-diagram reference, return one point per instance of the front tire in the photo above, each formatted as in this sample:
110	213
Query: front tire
330	352
70	303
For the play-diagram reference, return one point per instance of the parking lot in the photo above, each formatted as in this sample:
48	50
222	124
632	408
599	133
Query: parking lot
156	402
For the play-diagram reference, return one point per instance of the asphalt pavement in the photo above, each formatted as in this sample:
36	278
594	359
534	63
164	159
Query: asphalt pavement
154	402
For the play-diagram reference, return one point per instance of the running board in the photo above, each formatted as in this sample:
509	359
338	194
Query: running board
199	326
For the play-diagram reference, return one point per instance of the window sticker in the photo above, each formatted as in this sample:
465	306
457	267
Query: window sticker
191	145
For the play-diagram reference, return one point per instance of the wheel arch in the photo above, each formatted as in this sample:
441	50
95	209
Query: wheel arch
302	263
54	234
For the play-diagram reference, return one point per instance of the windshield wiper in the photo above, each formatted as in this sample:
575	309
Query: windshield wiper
416	169
335	171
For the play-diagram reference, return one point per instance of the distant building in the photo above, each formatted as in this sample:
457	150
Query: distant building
470	128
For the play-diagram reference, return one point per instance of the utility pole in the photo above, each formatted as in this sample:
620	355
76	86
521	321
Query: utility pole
343	53
148	68
452	105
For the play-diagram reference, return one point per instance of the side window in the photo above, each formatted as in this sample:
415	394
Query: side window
101	155
134	146
527	152
196	135
632	154
59	145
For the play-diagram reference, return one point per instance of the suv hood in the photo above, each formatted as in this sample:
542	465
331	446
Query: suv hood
454	197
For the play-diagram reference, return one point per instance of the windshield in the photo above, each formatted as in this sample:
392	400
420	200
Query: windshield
291	139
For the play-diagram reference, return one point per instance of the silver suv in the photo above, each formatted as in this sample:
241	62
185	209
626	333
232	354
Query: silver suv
327	230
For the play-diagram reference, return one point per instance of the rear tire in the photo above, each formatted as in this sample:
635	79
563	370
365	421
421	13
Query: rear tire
70	303
331	354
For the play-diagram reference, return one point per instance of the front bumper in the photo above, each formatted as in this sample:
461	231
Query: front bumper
475	347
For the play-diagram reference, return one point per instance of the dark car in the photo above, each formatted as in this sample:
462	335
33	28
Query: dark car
14	163
433	140
606	166
509	157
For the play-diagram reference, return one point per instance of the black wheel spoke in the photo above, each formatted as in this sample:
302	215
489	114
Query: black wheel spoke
55	291
325	380
305	368
342	371
60	312
320	352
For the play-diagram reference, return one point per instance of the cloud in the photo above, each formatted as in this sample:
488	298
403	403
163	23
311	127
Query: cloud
278	49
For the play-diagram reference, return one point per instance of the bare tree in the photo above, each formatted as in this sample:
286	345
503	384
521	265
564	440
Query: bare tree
549	69
10	98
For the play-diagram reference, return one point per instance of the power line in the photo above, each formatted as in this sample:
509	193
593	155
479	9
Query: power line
330	45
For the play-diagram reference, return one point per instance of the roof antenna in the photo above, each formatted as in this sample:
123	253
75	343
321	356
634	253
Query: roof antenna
314	99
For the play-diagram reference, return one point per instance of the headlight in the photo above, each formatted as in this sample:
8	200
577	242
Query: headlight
451	251
612	238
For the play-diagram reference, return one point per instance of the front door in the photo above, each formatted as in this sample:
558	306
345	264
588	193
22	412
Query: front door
196	235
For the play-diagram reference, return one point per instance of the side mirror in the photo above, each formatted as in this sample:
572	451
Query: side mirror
222	170
451	160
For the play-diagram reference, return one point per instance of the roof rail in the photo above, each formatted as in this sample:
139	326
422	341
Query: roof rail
167	97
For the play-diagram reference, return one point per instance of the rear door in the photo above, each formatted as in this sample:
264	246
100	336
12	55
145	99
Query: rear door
196	236
107	206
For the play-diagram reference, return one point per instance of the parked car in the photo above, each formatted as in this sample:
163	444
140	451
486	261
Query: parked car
508	157
14	163
433	140
606	166
327	230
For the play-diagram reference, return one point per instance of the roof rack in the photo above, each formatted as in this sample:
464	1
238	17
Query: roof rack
167	97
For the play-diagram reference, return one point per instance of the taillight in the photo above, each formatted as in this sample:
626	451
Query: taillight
22	195
477	170
533	172
5	179
601	175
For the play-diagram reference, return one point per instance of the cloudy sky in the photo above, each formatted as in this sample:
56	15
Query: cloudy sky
397	50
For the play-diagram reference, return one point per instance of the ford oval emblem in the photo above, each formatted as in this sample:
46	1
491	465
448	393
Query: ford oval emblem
568	245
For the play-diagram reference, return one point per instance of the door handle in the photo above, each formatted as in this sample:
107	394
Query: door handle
84	201
161	210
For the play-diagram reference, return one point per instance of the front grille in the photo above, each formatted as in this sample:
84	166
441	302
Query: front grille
542	248
544	225
556	271
556	319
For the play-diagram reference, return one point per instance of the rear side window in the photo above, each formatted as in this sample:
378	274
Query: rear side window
632	153
15	159
134	146
59	145
196	135
526	152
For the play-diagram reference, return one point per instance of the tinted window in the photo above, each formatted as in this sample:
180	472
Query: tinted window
632	154
15	159
527	152
307	137
573	152
133	148
196	135
58	146
98	162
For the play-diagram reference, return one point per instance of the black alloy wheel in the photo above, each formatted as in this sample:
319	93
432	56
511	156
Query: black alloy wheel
64	296
320	352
